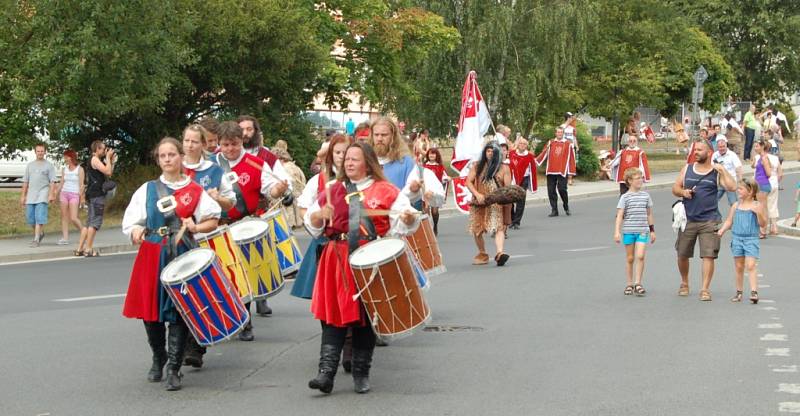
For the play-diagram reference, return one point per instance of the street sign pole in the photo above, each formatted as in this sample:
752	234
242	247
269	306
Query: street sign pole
700	77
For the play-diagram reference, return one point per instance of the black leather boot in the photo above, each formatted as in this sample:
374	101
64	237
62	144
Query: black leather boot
566	210
262	309
553	213
362	361
347	353
247	332
176	342
193	355
328	364
156	337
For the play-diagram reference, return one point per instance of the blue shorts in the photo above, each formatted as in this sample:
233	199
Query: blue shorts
766	188
628	239
745	246
36	213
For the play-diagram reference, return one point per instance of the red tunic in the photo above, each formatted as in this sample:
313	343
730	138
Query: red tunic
249	183
690	157
519	165
332	300
560	155
437	169
632	158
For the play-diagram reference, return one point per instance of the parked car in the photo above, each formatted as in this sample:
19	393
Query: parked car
14	169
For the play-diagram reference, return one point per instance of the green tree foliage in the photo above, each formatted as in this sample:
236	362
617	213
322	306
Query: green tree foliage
759	39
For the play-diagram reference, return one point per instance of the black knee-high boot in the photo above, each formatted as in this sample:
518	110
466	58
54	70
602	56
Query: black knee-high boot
329	352
193	353
347	352
176	343
362	361
435	216
156	337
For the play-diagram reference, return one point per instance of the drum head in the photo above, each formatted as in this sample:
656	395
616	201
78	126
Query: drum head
212	234
377	251
248	229
272	214
187	265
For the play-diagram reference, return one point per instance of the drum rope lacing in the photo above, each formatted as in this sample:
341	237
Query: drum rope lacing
375	271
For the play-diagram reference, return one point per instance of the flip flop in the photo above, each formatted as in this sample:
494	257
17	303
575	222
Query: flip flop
92	253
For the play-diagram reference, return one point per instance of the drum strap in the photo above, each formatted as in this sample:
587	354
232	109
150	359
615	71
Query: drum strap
240	206
355	220
173	223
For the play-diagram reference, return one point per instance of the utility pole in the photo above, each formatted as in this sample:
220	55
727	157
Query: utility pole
700	77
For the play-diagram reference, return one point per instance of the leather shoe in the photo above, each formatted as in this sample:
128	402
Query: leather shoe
566	211
247	334
553	214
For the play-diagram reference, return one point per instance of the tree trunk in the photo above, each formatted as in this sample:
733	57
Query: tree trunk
615	132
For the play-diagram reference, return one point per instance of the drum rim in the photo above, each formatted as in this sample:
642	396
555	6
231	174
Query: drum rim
254	238
272	214
381	262
186	254
212	234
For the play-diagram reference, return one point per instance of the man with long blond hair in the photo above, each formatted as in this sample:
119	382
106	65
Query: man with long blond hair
400	168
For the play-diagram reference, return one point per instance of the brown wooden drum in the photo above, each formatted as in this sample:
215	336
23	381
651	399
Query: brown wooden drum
388	287
425	247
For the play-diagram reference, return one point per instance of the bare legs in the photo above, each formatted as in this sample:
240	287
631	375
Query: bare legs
634	266
69	214
746	264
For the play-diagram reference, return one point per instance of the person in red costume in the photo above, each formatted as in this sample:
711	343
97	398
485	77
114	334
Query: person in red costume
523	173
560	156
256	179
333	301
630	157
433	162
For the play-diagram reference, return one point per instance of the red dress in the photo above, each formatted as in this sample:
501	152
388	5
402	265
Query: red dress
332	300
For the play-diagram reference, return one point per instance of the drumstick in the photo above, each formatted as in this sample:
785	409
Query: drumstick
327	191
180	233
378	212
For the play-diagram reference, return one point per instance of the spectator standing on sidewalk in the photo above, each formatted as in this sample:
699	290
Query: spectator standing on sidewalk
698	184
99	168
70	191
732	164
38	190
751	124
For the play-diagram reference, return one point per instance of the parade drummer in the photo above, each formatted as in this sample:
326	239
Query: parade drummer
630	157
256	179
209	175
161	218
361	185
560	156
333	160
400	168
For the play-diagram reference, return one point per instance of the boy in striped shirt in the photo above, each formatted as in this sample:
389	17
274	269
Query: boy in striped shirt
634	227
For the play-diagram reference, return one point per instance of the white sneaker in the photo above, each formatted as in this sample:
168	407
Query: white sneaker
63	242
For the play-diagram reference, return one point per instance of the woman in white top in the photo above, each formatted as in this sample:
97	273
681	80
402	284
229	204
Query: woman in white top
71	193
203	171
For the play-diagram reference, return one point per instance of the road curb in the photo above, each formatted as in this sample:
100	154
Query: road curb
60	254
785	227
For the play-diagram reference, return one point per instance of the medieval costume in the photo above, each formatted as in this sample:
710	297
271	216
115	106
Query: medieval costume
630	157
523	173
560	157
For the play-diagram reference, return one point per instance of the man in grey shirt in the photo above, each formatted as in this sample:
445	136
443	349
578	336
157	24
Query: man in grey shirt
38	189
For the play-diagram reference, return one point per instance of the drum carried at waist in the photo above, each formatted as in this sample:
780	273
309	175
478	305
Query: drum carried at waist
260	264
287	251
425	247
205	298
384	271
221	241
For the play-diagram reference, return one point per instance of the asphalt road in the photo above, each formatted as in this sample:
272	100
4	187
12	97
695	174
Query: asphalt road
552	335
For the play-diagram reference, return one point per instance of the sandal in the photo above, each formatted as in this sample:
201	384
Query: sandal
737	297
501	258
754	297
628	290
639	290
92	253
78	253
705	295
683	290
481	258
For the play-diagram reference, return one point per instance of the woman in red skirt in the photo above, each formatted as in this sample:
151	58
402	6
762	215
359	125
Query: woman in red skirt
332	301
156	233
433	162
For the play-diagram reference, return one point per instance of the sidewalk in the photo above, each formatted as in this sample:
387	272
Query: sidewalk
111	240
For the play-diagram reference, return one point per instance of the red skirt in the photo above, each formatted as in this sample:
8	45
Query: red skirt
332	300
142	300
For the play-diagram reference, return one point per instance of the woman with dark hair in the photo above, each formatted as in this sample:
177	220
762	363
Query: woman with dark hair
485	176
70	191
433	162
160	240
359	184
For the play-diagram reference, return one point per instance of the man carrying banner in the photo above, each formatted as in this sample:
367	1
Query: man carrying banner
560	156
630	157
523	172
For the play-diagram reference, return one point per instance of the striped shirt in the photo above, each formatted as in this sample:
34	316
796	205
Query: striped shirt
634	207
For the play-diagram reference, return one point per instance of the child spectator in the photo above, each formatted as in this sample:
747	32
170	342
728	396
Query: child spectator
634	227
797	199
744	220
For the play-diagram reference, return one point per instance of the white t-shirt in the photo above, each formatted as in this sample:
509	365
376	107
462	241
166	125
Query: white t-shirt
730	161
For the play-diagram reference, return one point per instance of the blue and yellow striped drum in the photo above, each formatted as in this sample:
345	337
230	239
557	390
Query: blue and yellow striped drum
229	256
286	248
252	236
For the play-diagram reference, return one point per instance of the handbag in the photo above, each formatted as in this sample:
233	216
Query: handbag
108	185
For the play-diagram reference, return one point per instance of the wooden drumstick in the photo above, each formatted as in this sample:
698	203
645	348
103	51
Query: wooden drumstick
379	212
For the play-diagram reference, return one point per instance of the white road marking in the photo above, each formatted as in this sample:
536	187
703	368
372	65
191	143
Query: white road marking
517	256
777	352
790	388
760	275
763	286
768	308
63	258
785	369
575	250
766	301
775	337
775	318
118	295
770	326
789	407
